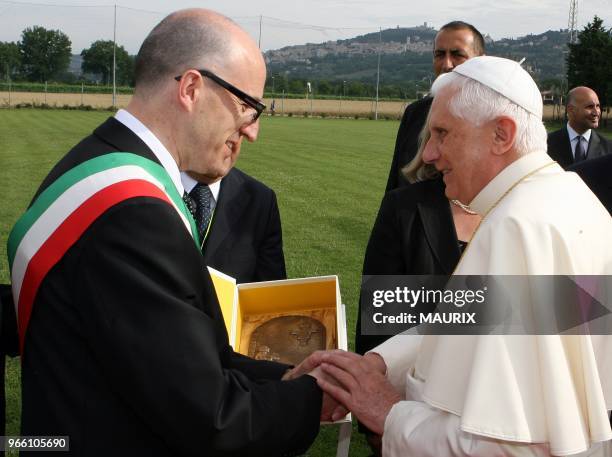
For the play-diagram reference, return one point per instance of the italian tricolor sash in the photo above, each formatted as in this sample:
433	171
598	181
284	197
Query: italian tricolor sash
59	216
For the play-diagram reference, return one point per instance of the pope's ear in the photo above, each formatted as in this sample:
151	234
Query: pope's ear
505	134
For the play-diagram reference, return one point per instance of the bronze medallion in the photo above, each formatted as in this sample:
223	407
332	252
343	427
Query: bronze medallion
287	339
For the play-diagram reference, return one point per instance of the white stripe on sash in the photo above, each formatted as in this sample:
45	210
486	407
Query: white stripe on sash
65	205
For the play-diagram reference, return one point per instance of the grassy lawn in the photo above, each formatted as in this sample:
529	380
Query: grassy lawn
328	174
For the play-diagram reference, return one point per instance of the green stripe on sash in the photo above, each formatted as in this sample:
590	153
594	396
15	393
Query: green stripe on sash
82	171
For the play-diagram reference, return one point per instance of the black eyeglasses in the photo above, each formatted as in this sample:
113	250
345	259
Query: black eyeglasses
258	106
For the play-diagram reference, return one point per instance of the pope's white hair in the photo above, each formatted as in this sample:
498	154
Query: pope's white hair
478	104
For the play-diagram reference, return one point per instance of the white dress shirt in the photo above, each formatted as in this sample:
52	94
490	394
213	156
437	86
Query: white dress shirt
153	143
573	137
189	183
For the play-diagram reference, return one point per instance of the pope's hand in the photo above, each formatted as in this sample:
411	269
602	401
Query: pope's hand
360	385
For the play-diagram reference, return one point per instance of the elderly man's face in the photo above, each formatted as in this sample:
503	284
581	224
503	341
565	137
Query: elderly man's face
584	111
452	48
457	149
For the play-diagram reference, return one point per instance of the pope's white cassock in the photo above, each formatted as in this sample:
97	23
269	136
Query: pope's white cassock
499	395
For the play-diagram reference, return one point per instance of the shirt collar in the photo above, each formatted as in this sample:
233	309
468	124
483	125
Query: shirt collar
153	143
189	183
505	179
573	134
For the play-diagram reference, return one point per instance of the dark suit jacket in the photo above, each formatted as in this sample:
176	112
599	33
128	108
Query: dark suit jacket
560	149
597	174
126	350
407	141
245	239
414	234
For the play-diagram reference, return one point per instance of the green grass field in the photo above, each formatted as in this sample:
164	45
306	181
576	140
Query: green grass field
329	176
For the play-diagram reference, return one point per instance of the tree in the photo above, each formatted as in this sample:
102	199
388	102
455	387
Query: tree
324	87
356	89
297	86
589	62
44	53
98	59
10	59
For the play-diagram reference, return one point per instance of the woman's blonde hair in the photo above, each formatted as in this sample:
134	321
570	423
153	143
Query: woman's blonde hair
416	170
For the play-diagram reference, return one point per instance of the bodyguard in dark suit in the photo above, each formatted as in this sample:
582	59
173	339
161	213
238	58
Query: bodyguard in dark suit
124	348
245	239
456	42
597	174
578	140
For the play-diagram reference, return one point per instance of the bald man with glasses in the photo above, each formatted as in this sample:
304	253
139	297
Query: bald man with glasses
123	344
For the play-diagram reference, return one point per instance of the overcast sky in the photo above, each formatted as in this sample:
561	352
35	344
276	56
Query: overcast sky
294	22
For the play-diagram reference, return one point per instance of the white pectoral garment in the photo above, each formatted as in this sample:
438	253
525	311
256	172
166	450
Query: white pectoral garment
512	395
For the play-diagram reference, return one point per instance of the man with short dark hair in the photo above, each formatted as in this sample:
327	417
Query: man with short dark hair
123	343
578	141
455	43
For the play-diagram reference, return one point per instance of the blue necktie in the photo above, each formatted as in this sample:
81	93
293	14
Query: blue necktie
200	203
579	154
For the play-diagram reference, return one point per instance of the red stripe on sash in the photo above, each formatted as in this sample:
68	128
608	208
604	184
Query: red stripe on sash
68	233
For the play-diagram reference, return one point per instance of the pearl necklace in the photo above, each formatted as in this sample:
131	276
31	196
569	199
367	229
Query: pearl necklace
464	207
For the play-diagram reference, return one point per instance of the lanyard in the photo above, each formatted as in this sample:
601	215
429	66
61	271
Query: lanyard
207	231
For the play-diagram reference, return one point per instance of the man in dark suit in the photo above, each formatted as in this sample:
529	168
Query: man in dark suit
245	238
123	343
455	43
596	174
578	140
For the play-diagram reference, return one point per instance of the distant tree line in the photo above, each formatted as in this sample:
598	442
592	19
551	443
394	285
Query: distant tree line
279	84
44	55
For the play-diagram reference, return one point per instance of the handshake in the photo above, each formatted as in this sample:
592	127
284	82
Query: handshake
350	382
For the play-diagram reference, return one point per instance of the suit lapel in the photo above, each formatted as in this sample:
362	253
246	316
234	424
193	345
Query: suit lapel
594	149
233	201
566	147
443	242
